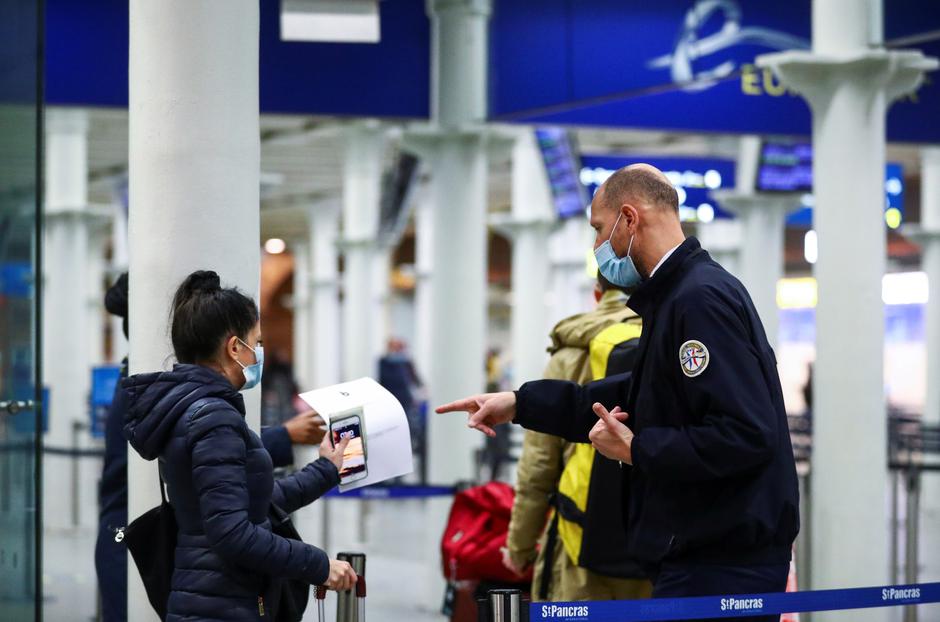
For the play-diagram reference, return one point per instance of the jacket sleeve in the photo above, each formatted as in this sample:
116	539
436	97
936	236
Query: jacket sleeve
218	452
563	408
305	486
277	441
539	469
736	430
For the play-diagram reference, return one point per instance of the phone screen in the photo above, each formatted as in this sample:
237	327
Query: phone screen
354	457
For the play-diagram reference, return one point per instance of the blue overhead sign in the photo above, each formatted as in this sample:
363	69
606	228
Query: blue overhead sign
672	64
675	64
693	179
87	62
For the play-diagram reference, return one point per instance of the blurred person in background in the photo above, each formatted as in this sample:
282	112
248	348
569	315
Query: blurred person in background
532	539
111	554
397	374
219	477
285	420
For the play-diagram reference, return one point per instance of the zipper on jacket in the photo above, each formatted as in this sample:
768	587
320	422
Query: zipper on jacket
261	606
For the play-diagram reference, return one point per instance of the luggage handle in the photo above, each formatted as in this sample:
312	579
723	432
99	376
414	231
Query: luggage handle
321	602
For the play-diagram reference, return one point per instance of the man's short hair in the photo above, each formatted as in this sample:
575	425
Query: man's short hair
636	184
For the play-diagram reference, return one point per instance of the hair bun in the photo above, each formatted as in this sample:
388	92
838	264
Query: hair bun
203	281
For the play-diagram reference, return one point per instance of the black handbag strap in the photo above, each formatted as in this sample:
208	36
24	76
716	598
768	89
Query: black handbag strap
162	485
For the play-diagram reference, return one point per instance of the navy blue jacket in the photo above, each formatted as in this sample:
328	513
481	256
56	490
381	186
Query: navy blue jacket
277	441
219	480
112	489
714	478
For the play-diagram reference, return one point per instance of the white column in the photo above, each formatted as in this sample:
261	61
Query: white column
194	180
451	299
529	226
758	261
95	313
362	183
325	321
65	340
119	345
929	239
424	263
927	235
381	292
848	85
458	195
722	239
317	341
569	247
301	307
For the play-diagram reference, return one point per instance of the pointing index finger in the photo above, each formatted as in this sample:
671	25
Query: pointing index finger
465	405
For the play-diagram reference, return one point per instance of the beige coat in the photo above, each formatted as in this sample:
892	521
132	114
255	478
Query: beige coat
542	462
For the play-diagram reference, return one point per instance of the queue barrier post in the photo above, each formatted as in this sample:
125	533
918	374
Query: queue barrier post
506	605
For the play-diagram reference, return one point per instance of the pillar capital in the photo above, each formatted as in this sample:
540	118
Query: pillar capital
512	226
66	121
466	7
815	76
740	203
424	139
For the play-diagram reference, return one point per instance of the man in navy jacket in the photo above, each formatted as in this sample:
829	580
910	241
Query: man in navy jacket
714	505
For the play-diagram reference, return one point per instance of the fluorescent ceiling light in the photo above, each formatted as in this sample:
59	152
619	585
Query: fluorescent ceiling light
331	21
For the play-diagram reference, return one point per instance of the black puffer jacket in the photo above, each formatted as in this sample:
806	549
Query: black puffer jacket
219	480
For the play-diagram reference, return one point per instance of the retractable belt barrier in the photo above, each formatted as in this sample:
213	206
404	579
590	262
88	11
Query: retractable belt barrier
734	605
395	492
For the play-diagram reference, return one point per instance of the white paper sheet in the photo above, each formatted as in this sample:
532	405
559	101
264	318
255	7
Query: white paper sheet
385	426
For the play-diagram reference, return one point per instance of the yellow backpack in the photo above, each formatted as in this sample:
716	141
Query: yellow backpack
588	502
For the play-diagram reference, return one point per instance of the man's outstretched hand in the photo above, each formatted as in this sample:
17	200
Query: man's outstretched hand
609	436
485	410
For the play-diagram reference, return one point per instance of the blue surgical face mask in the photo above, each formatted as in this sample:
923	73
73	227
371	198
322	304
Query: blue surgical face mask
252	372
618	270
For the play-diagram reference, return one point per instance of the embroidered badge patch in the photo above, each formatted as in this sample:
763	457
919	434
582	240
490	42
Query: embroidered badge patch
693	358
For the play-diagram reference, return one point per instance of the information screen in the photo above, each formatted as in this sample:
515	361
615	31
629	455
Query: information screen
563	167
785	167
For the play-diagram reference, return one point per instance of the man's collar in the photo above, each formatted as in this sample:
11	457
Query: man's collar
649	292
664	258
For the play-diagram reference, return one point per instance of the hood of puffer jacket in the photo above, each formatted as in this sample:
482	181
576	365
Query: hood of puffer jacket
578	330
157	400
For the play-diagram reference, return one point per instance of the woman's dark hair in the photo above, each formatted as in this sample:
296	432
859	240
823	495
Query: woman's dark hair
205	314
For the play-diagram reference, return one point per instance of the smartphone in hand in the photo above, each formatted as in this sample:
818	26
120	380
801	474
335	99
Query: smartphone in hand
348	424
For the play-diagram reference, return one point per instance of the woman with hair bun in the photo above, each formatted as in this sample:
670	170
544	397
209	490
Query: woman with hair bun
219	477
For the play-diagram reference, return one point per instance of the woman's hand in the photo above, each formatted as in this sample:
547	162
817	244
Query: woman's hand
342	576
333	454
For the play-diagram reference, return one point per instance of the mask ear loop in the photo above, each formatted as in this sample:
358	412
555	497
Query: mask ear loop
611	236
243	366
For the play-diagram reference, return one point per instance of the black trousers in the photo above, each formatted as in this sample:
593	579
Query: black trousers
111	565
678	579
